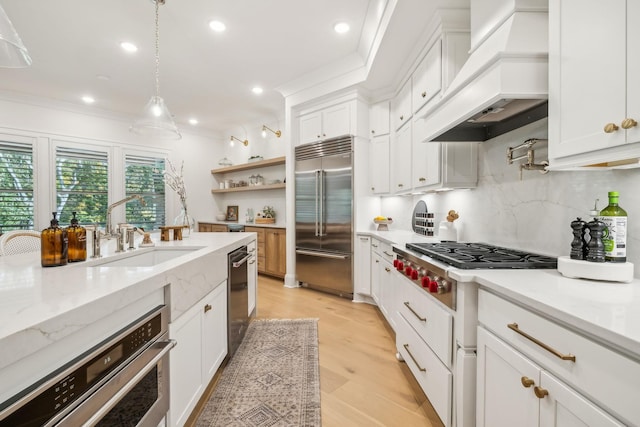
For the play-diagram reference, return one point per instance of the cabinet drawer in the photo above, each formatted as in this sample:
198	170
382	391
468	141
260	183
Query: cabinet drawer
383	249
434	378
598	372
430	321
259	232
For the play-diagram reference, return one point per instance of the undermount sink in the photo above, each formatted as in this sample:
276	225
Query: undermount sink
143	257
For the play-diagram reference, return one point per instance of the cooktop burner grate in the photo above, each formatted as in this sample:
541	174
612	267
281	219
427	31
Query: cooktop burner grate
481	255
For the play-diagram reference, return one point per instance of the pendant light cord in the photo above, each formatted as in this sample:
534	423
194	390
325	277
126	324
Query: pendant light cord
158	47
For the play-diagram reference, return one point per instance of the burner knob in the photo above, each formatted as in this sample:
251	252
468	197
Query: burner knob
414	275
400	266
433	286
408	271
395	263
425	282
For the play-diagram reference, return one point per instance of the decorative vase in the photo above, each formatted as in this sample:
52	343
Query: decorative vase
187	221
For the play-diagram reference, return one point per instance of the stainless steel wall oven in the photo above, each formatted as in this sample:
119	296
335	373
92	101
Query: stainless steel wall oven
124	381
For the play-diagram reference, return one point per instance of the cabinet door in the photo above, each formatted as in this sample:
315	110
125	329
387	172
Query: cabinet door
336	121
376	266
252	273
427	161
588	96
633	69
204	227
379	165
185	365
379	119
503	397
362	270
275	252
427	79
386	291
402	106
310	127
402	160
563	407
214	331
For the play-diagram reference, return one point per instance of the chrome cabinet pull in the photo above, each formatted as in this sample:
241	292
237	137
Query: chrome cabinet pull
422	319
420	368
387	253
514	327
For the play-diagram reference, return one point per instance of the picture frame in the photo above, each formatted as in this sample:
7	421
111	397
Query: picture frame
232	213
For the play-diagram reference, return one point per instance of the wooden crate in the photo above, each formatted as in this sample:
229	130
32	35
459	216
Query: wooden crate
265	220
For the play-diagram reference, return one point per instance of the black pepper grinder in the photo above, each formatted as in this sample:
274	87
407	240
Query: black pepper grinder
595	247
579	244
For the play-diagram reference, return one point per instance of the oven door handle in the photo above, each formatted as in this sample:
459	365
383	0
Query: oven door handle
163	348
237	264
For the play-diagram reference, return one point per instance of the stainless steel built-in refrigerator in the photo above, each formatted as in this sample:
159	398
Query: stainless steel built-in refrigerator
324	219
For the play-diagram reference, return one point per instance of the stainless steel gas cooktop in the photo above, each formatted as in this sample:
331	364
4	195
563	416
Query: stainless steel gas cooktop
482	255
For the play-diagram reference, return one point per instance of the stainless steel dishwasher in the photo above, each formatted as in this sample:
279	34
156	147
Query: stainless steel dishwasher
238	302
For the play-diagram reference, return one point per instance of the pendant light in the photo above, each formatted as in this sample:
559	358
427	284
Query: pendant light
13	53
156	119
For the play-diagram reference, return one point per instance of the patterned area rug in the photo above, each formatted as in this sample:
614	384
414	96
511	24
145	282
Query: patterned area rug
273	380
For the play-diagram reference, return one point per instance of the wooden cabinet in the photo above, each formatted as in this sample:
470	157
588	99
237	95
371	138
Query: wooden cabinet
401	157
402	106
221	173
362	266
208	227
275	251
327	123
603	132
533	371
427	78
201	333
379	164
379	119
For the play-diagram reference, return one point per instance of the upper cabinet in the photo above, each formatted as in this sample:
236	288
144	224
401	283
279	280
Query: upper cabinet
594	83
326	123
427	79
379	119
402	106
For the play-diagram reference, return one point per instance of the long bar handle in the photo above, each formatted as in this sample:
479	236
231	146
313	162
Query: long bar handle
420	318
316	200
321	234
514	327
321	254
237	264
420	368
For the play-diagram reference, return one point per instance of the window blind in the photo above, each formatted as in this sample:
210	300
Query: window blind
16	186
144	176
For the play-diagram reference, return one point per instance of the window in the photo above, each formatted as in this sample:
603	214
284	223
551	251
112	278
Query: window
144	176
16	186
82	178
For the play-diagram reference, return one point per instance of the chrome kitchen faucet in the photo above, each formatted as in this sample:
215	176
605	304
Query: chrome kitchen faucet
109	233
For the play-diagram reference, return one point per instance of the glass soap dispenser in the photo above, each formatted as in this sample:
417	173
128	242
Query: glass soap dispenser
53	245
77	240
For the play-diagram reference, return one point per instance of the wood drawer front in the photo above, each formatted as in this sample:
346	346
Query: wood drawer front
437	327
603	375
435	380
259	231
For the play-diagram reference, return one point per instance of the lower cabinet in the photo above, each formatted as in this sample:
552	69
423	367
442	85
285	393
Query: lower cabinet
201	334
362	266
252	276
275	258
208	227
533	371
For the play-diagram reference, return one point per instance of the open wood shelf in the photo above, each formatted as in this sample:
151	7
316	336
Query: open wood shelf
247	166
250	188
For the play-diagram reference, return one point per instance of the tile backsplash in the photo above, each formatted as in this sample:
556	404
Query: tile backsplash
533	213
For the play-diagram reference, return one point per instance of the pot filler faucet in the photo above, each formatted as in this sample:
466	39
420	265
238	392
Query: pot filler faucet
108	232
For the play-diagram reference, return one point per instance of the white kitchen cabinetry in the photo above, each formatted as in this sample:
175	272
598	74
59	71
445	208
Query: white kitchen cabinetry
427	78
532	371
401	157
327	123
402	106
379	164
379	119
252	277
201	333
362	267
603	132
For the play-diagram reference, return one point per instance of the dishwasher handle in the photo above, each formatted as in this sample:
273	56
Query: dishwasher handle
236	264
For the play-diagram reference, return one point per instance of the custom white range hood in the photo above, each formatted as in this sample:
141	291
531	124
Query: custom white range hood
504	83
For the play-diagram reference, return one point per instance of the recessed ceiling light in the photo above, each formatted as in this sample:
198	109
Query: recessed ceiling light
129	47
88	99
217	26
257	90
103	77
341	27
193	121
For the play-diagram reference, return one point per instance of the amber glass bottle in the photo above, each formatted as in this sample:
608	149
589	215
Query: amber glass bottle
77	240
53	243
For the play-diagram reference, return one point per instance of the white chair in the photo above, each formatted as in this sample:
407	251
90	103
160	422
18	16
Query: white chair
19	241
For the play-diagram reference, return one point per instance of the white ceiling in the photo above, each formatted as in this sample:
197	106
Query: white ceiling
75	49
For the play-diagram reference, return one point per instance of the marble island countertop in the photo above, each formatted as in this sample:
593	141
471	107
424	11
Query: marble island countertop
39	306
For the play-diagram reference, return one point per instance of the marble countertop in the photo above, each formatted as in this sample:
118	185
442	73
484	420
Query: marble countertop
40	300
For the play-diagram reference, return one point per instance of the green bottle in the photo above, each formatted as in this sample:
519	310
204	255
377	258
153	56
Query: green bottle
615	233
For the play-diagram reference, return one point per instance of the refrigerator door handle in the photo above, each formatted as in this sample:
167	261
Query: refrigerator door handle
317	173
321	234
321	254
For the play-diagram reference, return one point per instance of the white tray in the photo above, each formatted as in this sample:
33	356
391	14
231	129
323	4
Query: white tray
607	271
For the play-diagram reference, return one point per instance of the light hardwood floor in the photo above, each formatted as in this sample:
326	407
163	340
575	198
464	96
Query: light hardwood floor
362	383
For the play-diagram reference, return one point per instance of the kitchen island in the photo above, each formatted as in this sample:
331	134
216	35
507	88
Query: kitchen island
48	316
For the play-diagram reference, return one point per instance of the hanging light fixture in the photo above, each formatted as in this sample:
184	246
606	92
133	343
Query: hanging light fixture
13	53
265	128
156	119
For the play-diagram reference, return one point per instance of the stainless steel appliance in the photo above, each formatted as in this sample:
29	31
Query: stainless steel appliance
324	215
429	268
238	302
123	381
